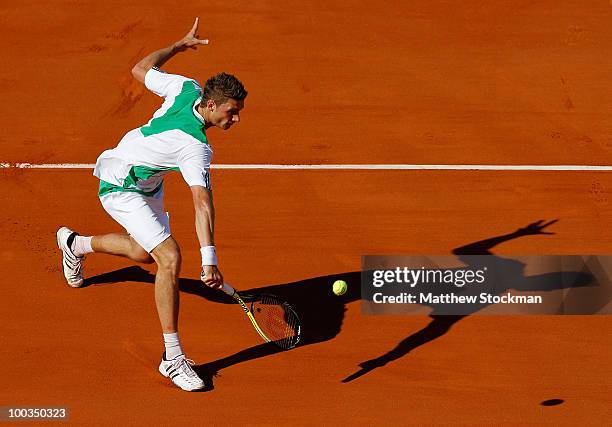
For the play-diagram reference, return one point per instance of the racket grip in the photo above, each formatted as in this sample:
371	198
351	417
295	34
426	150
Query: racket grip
228	289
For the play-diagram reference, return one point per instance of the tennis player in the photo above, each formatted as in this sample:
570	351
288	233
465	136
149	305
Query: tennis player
131	189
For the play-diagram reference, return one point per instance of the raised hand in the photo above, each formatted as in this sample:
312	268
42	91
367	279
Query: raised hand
191	40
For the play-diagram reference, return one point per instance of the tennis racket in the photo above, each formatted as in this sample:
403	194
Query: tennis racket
273	319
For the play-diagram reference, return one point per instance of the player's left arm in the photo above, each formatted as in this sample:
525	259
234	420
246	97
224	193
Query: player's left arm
161	56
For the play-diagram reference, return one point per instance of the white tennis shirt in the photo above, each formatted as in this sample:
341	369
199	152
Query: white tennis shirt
174	139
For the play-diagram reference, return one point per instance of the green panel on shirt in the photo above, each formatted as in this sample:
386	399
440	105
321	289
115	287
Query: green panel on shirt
180	116
137	173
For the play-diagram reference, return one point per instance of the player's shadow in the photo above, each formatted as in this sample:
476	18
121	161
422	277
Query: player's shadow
322	312
510	276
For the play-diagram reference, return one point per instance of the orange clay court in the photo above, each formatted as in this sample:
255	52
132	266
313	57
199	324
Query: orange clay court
330	82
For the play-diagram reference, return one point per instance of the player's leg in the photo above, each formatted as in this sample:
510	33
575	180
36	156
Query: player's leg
120	244
75	247
174	364
167	255
130	210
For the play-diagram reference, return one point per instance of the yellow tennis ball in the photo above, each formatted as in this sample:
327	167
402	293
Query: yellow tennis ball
339	287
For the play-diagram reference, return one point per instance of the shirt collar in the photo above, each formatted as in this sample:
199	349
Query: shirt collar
195	110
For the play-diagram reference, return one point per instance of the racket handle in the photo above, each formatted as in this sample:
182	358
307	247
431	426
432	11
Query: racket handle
228	289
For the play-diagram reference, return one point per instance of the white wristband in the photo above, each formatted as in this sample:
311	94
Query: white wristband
209	255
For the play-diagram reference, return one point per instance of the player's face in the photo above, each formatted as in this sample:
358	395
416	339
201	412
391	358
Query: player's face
227	114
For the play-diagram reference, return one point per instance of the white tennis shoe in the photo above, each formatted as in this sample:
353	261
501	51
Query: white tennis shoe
72	264
180	371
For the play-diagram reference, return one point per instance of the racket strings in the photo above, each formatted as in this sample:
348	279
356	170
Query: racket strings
277	320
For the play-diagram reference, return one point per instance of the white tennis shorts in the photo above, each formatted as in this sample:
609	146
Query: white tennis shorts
142	217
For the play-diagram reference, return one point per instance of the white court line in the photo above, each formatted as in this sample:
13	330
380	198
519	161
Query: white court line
341	167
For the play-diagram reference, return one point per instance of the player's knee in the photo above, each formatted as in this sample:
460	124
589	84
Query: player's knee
169	258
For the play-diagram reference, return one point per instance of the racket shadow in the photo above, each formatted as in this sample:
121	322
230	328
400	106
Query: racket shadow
321	313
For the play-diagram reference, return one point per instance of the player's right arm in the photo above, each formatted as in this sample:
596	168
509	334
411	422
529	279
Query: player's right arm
161	56
194	164
205	229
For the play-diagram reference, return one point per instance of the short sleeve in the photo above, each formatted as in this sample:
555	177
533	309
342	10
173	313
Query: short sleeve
194	164
164	84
